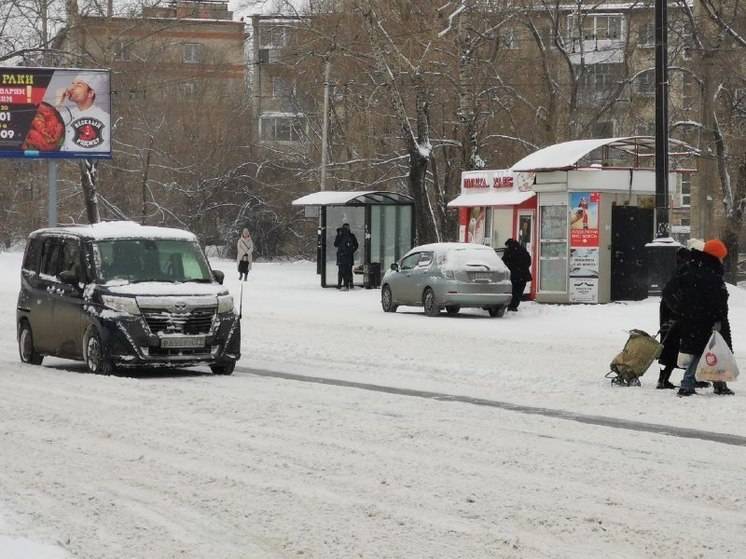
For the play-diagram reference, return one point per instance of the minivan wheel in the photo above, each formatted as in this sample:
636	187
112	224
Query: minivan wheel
94	354
453	309
497	311
428	301
387	300
26	346
223	368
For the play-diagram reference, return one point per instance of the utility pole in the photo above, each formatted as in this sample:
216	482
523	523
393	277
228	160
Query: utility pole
662	226
325	124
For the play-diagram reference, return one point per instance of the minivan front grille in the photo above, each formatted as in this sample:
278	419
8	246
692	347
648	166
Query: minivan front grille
196	321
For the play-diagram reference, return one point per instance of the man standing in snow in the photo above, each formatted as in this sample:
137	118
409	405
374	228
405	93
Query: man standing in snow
244	254
518	261
346	244
704	307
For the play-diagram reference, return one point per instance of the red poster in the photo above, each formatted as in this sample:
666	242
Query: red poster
584	219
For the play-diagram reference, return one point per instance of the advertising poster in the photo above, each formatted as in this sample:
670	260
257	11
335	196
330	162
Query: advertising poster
53	112
476	225
584	263
584	290
584	219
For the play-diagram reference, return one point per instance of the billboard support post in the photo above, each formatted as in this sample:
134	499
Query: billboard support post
52	193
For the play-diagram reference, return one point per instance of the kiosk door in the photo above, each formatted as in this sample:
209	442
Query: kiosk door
632	229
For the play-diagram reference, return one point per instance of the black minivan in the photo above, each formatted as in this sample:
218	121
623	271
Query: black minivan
121	294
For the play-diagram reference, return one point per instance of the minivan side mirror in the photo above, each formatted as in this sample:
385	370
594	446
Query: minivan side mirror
68	277
395	267
219	276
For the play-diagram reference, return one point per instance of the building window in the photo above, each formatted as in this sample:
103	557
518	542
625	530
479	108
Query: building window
282	87
688	92
272	37
603	129
646	35
739	102
507	39
121	50
187	89
686	190
646	83
192	53
282	128
598	81
596	27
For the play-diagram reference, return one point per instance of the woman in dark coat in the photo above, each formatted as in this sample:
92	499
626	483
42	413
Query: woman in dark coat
669	323
518	261
704	299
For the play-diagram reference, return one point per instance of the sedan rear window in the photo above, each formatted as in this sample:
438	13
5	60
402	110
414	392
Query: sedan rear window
471	259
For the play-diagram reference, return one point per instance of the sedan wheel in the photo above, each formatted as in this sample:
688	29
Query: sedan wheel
428	301
497	311
387	300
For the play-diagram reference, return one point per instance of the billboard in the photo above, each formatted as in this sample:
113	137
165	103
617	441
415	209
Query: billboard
55	112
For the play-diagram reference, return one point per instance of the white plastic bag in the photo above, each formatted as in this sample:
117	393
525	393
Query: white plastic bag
717	362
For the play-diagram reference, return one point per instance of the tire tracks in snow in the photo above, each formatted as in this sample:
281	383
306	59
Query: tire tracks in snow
598	420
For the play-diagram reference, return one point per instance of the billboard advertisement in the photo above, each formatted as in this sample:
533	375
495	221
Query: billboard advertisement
55	112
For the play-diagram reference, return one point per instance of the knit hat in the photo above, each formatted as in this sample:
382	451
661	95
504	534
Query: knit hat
696	244
716	248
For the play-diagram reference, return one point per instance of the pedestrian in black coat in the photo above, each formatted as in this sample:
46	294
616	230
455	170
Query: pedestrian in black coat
669	320
704	307
518	261
347	245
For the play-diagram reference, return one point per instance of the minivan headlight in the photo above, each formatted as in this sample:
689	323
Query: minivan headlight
122	304
225	303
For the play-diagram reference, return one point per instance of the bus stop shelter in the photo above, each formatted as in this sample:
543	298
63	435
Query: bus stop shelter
383	223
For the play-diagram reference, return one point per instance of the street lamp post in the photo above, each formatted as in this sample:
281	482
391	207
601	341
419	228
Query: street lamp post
662	226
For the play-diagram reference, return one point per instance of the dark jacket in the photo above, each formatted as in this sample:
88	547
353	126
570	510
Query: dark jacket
346	244
518	261
704	302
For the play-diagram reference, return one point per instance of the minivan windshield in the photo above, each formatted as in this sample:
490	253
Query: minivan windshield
140	260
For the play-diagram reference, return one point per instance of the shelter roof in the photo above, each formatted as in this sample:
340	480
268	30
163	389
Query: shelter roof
354	198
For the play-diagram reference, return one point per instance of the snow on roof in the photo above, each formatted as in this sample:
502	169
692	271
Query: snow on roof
491	198
122	230
439	247
567	155
339	198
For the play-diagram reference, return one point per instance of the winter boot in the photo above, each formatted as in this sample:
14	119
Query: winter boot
686	392
663	383
722	389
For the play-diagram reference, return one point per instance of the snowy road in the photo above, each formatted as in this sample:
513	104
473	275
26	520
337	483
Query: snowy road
190	465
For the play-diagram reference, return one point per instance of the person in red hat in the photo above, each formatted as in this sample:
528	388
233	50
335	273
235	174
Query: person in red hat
704	307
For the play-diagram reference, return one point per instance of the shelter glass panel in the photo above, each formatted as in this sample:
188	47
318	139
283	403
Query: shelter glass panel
335	217
391	234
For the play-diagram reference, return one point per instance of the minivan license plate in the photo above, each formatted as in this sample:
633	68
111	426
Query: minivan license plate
183	342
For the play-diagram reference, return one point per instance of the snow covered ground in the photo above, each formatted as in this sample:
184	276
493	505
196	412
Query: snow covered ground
185	464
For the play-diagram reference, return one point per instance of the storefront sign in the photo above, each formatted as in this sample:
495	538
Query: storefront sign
52	112
584	219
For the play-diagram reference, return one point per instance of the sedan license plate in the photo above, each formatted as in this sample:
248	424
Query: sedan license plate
183	342
481	276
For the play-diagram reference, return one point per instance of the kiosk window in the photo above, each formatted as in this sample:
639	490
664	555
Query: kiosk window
553	249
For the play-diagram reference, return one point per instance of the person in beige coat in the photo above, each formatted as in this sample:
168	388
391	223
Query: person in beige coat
244	254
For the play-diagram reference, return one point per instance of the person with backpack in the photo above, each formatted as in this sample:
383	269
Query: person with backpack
703	300
518	261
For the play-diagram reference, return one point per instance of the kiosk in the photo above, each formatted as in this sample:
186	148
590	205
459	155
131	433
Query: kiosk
588	209
383	223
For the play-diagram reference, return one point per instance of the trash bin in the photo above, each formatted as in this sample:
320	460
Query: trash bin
372	275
